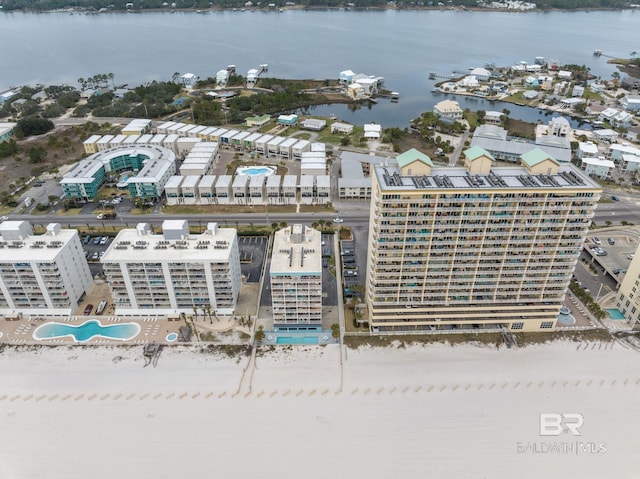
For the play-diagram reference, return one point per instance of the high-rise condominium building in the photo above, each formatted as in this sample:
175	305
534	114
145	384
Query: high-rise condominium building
477	247
628	295
173	272
296	278
41	275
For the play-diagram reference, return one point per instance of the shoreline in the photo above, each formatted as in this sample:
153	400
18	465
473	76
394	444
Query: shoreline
459	9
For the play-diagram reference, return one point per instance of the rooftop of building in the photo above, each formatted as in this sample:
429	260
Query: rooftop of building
500	178
297	250
174	244
19	244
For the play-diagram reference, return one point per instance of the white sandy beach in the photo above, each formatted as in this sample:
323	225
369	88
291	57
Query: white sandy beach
434	411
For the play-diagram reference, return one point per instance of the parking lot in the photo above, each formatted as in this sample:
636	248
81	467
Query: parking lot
252	253
601	270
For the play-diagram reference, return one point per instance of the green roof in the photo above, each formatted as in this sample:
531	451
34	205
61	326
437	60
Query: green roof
535	156
476	152
412	155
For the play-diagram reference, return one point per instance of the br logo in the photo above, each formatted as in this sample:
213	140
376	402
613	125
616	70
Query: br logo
555	424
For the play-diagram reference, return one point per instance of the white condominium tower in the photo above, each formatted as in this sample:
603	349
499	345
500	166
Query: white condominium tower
475	247
296	278
173	272
41	275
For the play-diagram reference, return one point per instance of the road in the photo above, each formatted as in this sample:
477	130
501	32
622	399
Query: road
616	212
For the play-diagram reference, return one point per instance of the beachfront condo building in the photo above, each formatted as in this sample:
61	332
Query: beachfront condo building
173	272
41	275
296	278
477	247
628	299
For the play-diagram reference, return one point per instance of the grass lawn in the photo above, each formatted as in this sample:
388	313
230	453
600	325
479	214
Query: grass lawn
69	212
219	209
523	339
315	208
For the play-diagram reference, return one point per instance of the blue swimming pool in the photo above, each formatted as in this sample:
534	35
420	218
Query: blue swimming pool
171	337
255	170
87	330
297	340
614	313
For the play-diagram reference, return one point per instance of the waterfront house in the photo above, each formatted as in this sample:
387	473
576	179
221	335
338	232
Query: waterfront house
372	131
616	118
189	80
482	74
343	128
606	134
448	110
313	124
288	120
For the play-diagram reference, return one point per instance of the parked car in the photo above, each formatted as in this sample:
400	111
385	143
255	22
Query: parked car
614	198
96	240
104	240
4	218
630	256
88	309
337	220
350	273
95	255
325	262
597	241
611	241
87	239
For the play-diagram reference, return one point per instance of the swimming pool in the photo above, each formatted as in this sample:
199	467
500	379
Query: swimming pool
87	330
297	340
614	313
255	170
171	337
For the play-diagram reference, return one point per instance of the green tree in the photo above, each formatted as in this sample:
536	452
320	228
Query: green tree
335	331
37	154
259	334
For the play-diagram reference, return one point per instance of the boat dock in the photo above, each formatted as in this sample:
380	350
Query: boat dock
441	76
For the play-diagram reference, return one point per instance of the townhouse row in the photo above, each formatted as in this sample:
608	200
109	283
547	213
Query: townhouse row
244	189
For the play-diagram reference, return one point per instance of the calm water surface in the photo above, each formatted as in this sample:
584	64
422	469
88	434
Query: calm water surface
401	46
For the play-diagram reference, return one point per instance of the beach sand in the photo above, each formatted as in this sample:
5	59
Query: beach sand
434	411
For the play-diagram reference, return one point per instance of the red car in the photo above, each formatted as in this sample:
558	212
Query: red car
88	309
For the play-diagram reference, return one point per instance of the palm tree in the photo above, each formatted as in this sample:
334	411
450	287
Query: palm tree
83	83
195	312
207	309
175	76
111	77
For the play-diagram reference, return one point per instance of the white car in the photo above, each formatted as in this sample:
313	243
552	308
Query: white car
337	220
4	218
630	256
99	217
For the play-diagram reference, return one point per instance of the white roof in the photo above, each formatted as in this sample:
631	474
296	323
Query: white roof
265	139
241	181
307	181
599	162
207	181
91	140
174	181
190	181
224	181
372	127
276	140
588	147
301	144
290	181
